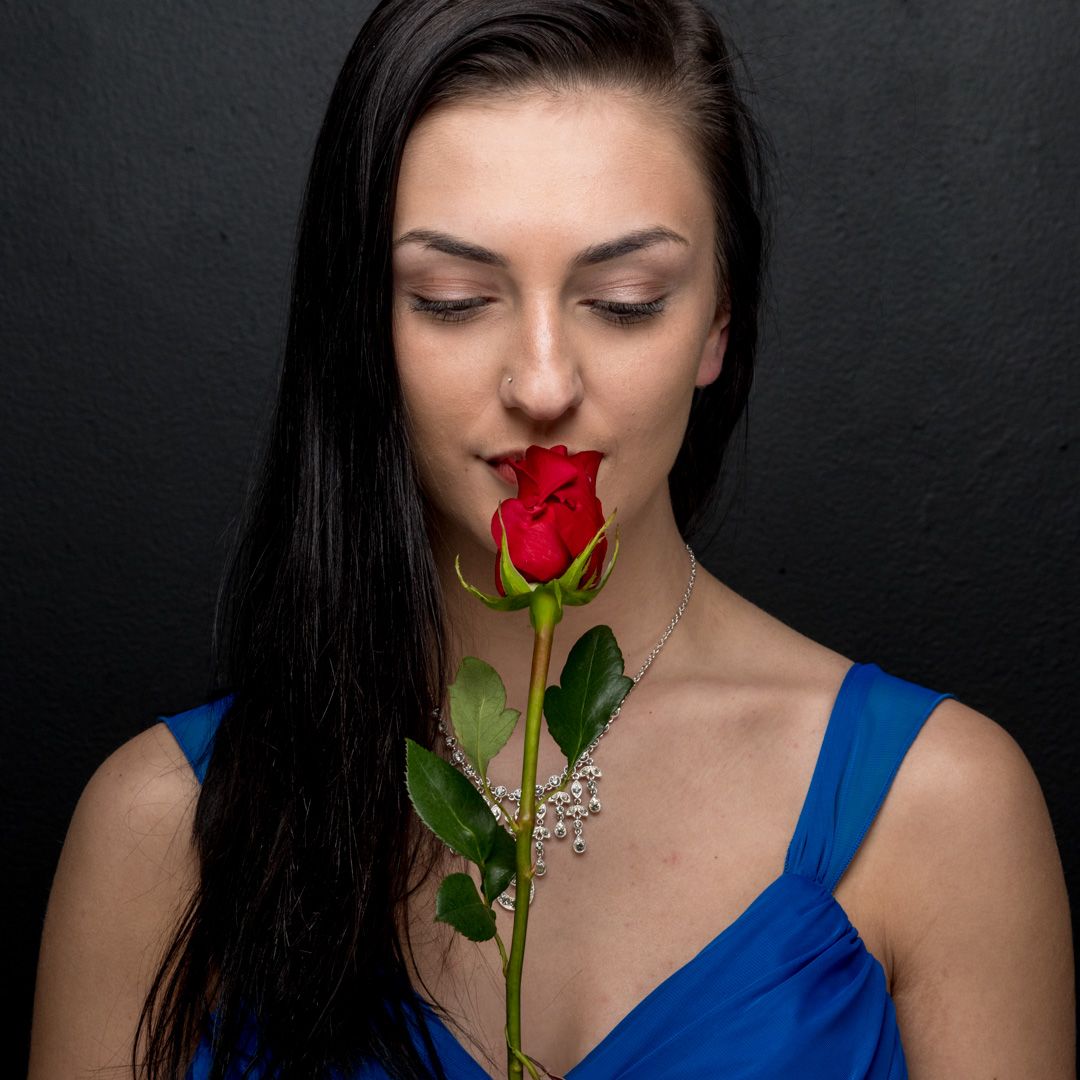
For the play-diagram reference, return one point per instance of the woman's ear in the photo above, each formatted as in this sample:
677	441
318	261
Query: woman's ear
712	355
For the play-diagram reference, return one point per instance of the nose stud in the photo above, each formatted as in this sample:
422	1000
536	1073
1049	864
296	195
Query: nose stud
509	378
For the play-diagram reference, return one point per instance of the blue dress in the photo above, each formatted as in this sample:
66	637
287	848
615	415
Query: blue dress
788	989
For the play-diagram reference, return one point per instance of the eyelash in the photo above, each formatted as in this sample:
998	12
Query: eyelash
455	311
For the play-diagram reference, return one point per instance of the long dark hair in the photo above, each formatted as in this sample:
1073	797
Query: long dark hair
291	952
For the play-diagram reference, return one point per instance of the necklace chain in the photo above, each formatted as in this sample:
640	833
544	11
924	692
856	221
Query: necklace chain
566	806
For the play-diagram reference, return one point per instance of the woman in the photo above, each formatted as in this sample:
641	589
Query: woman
537	223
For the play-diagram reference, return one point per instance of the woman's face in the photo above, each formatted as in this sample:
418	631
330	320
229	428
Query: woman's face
554	282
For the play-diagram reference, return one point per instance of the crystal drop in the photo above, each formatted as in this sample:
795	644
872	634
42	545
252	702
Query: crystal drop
541	812
496	811
459	757
541	868
499	792
575	788
554	781
450	740
560	830
594	806
539	791
579	844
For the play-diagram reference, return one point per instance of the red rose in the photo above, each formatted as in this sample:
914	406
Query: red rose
555	515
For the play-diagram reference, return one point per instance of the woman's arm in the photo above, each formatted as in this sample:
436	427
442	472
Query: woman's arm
979	937
125	868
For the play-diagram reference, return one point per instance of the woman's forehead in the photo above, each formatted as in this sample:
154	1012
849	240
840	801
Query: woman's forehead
582	168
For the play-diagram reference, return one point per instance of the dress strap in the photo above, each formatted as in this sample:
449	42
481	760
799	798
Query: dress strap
874	720
195	729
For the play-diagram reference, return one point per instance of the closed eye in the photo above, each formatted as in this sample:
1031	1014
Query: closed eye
626	314
447	310
610	310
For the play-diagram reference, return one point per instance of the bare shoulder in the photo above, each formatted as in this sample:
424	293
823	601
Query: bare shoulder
966	794
974	907
125	870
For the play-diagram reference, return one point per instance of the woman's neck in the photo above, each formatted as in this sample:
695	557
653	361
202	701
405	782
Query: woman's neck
644	591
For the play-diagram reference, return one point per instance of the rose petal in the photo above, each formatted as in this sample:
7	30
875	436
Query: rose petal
583	488
532	536
542	473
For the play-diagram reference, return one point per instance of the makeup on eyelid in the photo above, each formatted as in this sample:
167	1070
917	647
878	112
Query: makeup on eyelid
618	312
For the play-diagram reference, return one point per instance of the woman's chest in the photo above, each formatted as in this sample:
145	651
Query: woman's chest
684	844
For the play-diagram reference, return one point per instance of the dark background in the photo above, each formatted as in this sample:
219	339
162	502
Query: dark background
910	493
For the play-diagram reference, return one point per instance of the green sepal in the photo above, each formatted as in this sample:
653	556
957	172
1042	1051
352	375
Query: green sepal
500	866
496	603
449	805
570	580
577	597
459	904
512	581
482	722
592	687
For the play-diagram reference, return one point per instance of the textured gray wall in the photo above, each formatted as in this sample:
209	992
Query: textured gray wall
910	490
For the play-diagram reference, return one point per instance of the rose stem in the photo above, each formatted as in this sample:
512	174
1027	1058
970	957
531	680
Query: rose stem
544	614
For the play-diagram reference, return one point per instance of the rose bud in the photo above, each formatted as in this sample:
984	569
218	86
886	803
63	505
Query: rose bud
553	518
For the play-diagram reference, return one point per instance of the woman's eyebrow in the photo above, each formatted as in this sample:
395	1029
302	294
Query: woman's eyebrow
598	253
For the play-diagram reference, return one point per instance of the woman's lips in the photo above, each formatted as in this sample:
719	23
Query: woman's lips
504	472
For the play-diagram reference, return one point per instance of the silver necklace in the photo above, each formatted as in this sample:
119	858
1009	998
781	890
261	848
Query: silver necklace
566	806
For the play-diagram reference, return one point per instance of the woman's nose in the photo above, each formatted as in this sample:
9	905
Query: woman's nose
542	376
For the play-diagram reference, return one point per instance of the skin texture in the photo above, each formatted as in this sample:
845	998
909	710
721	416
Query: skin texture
125	869
957	888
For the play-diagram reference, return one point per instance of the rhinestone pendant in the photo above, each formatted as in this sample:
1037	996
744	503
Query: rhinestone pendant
507	900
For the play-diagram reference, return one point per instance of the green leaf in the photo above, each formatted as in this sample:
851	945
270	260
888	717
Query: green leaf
500	866
593	685
448	804
459	904
482	723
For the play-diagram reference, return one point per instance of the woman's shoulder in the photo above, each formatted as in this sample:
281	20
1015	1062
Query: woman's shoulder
125	871
138	804
966	811
963	773
974	903
959	879
143	774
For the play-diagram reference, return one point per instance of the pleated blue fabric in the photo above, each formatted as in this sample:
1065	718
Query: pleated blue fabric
788	989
